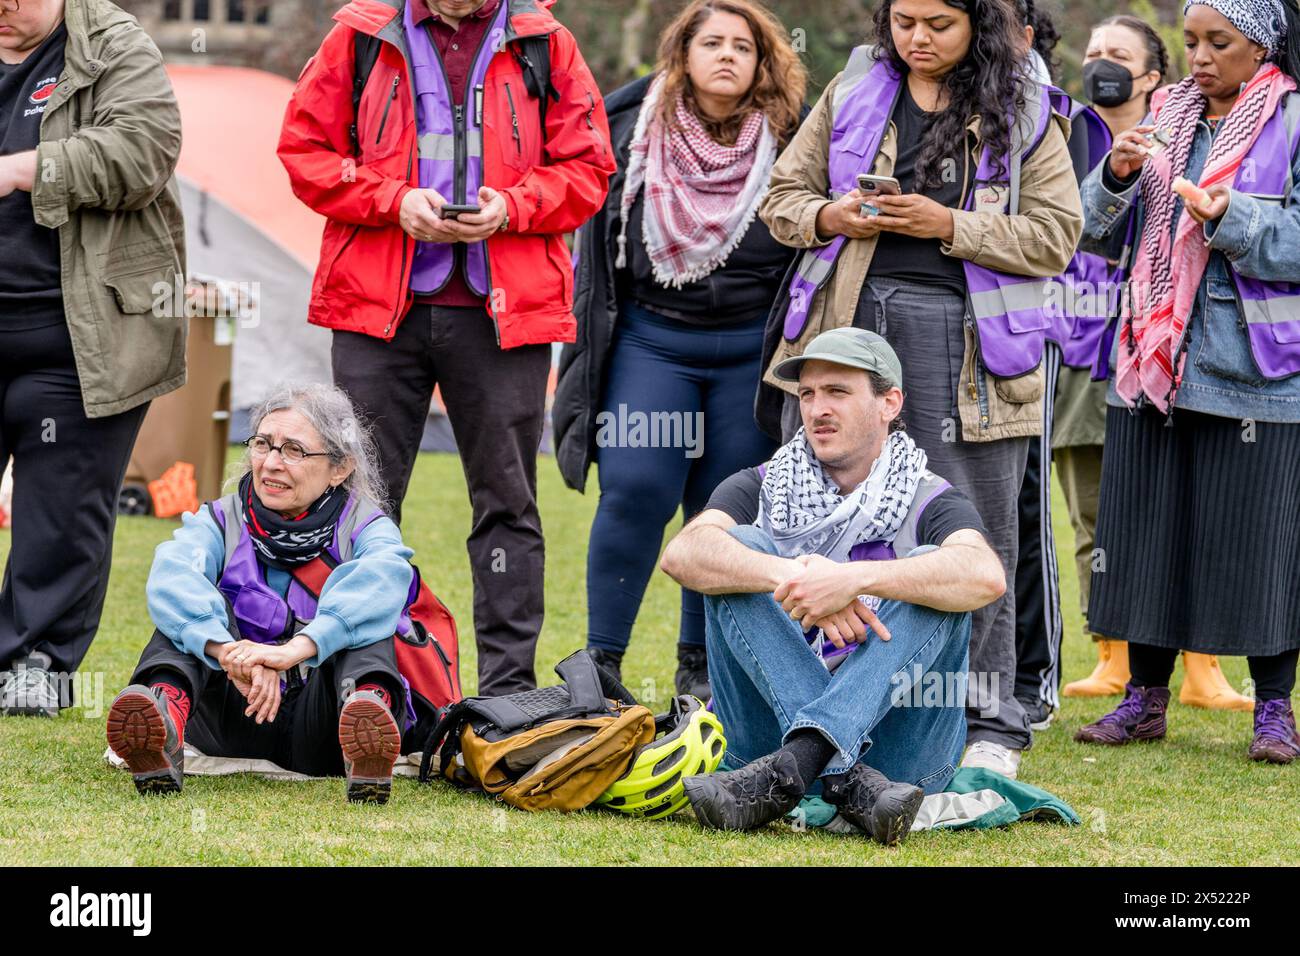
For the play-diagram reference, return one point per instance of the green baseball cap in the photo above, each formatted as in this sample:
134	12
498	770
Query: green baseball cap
856	348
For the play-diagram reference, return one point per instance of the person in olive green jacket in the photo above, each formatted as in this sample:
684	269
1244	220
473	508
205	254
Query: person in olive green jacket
94	245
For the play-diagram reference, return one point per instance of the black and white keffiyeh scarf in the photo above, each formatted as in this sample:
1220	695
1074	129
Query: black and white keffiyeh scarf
1263	21
805	513
286	543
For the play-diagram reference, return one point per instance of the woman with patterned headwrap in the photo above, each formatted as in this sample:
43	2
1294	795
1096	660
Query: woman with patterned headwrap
1199	518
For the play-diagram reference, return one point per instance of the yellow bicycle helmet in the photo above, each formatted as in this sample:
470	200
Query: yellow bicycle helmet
688	741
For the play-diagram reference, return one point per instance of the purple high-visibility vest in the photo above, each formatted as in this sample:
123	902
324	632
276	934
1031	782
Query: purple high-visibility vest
1090	286
450	148
262	614
905	542
1271	310
1010	312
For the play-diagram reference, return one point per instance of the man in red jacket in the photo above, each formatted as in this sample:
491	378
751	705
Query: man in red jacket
470	301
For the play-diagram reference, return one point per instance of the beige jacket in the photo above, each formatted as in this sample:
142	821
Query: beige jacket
1039	242
110	140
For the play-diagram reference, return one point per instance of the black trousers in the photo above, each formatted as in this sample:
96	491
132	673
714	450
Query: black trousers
1039	624
1274	676
68	471
496	403
304	737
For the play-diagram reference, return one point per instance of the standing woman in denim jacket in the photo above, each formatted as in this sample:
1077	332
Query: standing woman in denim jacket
1200	498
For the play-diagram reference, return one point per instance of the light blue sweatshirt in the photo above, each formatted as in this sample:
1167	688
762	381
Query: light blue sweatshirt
359	605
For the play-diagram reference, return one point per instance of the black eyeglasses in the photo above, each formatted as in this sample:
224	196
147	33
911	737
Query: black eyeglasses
259	446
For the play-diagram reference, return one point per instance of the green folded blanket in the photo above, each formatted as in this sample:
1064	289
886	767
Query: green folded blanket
976	799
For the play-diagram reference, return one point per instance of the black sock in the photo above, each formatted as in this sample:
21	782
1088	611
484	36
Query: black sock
811	752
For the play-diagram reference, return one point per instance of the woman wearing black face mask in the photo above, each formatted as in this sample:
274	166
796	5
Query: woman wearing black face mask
1125	62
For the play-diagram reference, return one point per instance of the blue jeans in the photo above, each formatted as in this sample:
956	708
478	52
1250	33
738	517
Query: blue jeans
706	374
880	705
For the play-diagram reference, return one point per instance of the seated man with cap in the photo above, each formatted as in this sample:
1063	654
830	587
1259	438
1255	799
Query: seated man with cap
838	579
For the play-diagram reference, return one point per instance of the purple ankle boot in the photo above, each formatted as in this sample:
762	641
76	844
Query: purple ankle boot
1141	716
1276	740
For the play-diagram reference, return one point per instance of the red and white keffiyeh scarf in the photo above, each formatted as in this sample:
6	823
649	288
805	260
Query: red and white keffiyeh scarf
700	197
1170	264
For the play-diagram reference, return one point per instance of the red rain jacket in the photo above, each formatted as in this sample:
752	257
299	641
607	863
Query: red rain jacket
553	179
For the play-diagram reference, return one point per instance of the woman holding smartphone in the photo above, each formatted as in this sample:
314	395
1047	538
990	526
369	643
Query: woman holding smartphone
1124	64
1199	516
949	272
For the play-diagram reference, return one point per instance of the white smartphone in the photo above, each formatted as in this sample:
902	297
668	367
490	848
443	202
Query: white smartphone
877	186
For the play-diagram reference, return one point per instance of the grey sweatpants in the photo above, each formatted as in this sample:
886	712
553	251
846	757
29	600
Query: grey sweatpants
924	324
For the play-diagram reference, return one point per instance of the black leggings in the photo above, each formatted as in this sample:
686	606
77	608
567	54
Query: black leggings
56	578
1274	676
304	736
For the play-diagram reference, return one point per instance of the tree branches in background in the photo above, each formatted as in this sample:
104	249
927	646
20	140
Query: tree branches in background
619	38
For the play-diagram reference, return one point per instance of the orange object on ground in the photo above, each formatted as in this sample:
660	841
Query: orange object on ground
175	492
1108	677
1205	686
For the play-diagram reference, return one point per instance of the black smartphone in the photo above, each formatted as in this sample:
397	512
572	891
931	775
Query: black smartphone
452	211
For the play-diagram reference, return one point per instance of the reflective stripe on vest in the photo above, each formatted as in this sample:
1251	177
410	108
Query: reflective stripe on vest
1010	321
441	147
1271	310
443	126
1011	312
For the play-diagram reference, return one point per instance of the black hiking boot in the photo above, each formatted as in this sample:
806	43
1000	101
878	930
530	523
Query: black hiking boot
693	672
608	661
871	801
750	797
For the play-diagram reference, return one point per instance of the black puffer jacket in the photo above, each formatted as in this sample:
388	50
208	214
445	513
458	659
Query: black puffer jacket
595	300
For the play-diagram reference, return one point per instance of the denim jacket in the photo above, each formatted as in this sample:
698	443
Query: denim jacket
1253	238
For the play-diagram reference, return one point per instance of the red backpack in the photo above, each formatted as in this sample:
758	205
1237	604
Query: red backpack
428	656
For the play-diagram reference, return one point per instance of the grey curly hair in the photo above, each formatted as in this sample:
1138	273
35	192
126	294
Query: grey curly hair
345	436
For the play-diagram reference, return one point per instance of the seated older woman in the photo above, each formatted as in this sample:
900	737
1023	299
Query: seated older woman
246	660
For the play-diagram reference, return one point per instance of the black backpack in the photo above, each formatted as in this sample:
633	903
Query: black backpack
533	54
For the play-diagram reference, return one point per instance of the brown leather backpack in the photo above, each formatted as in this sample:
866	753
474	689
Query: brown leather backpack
554	748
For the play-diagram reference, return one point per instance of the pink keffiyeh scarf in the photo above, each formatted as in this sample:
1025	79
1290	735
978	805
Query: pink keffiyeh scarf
1170	264
700	197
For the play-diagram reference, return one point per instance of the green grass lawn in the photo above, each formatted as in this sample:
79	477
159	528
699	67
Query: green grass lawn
1194	799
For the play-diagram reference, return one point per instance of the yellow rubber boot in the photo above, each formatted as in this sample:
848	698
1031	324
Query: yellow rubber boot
1108	677
1205	686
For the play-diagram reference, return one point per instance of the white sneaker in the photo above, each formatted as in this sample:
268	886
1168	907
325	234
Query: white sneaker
991	756
29	689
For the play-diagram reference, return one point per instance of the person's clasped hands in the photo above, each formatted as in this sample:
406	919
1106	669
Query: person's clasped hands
255	670
824	593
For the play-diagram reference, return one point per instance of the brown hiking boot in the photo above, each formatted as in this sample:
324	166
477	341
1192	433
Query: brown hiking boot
371	743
